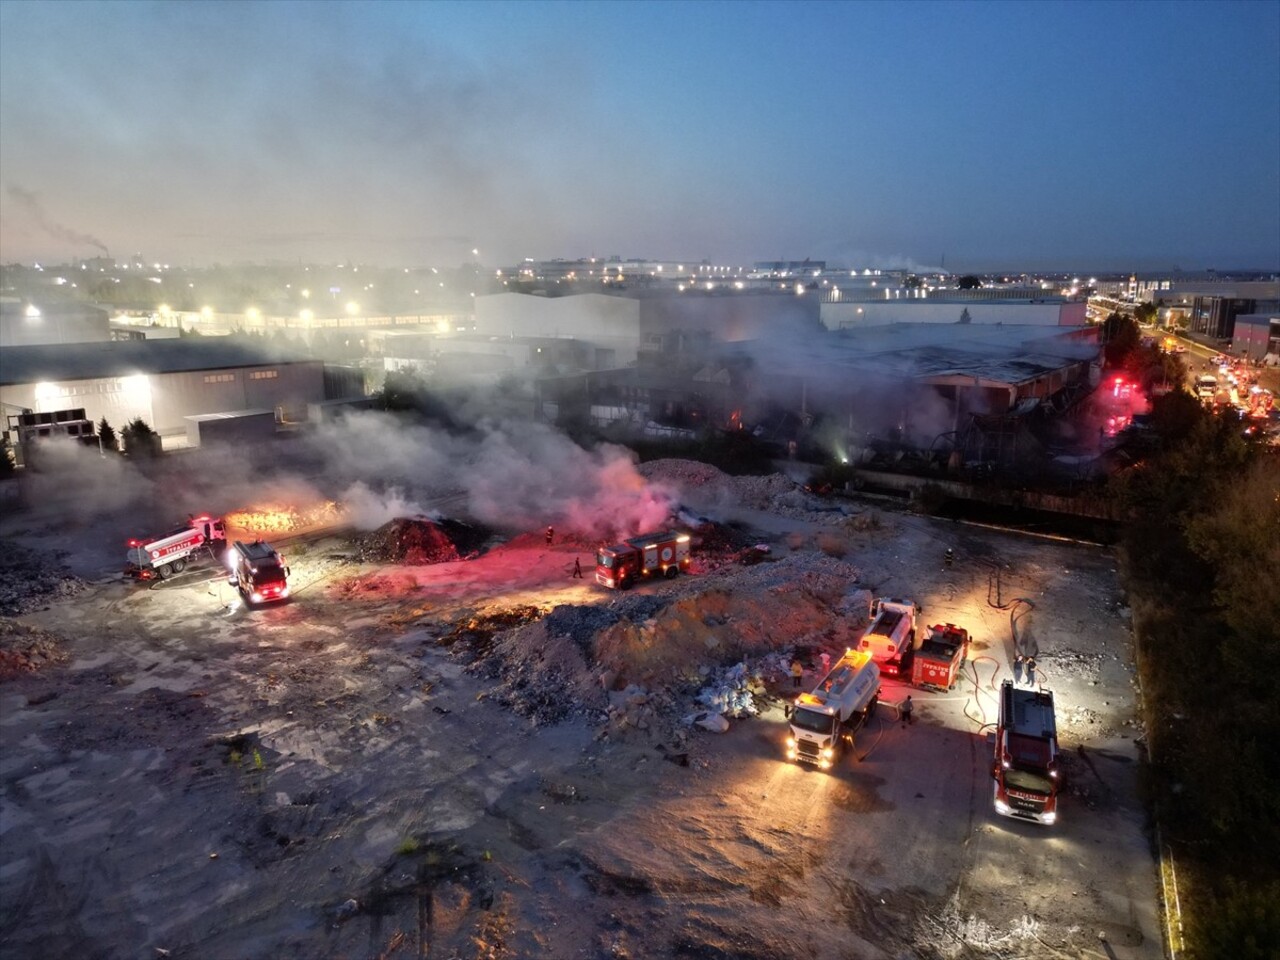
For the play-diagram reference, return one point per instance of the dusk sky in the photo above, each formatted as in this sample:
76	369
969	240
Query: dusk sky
1076	135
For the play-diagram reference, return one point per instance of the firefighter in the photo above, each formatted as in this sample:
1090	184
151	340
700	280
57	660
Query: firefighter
577	569
948	558
797	673
905	710
551	535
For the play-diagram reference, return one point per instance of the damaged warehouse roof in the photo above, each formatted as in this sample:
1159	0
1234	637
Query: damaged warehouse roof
944	353
121	358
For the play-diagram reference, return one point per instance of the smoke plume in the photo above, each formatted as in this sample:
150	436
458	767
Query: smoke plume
31	206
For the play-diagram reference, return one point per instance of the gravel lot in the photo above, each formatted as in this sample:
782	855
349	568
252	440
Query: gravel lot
384	767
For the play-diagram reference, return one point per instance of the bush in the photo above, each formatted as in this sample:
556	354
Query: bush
1241	924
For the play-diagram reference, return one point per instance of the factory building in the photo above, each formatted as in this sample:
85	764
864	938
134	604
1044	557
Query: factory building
1044	311
1257	337
620	330
29	324
162	381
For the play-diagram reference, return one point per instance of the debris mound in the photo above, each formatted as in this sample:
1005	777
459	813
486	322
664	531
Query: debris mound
418	541
25	650
30	580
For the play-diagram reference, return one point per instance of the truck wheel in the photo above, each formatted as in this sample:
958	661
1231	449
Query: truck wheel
164	570
624	583
179	566
671	572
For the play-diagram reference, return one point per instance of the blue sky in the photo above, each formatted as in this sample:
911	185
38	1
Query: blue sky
1079	135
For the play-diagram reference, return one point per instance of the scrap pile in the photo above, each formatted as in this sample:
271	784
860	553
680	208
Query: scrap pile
421	540
31	580
25	650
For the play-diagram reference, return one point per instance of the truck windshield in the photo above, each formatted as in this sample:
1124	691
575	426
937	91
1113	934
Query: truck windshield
604	559
269	573
1026	780
812	720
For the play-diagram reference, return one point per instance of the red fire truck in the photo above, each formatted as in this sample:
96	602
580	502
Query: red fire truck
1027	768
163	556
938	661
622	564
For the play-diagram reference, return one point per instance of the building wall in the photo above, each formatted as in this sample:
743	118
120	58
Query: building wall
1256	335
1053	313
163	400
286	388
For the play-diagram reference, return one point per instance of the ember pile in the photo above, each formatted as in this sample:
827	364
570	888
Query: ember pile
25	650
274	519
30	580
419	540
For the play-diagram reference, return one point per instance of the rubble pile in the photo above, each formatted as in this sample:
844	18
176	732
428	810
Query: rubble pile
30	580
1064	663
25	650
571	661
417	541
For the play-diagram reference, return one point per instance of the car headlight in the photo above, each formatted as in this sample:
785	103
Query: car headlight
1002	807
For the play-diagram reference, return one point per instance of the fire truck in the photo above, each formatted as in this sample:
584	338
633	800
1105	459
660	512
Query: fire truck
258	571
823	722
652	554
938	662
160	557
1027	769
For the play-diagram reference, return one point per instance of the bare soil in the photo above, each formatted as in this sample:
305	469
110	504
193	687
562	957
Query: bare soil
486	757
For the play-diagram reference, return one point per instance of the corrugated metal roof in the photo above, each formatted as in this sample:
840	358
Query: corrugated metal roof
89	361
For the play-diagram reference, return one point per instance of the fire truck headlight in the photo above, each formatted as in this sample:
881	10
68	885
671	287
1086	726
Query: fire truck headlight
1005	764
256	597
1049	818
1002	807
1054	774
284	591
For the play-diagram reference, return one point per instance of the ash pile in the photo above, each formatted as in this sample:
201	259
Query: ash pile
30	580
418	541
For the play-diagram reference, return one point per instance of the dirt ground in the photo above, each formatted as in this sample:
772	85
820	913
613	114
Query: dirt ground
331	778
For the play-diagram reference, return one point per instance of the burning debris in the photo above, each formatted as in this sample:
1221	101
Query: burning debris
275	519
30	580
422	540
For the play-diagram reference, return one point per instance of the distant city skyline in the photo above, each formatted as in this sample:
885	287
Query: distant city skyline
1032	137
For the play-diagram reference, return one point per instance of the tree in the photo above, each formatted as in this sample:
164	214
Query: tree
1145	313
140	441
6	456
1121	336
107	436
969	282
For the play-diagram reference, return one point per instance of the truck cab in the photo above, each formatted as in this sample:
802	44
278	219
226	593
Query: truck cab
652	554
825	720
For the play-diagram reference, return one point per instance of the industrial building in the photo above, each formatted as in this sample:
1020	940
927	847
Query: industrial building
620	329
1212	308
162	381
1257	337
1048	311
29	324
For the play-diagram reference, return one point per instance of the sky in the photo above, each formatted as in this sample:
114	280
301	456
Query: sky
1036	136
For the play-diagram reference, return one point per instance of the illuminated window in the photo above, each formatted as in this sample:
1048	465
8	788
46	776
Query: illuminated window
219	378
263	374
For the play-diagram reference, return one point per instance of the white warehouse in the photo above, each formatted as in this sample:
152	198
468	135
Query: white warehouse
161	381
